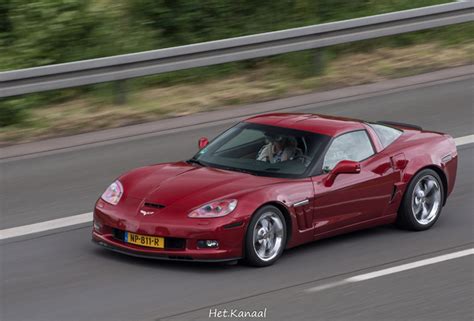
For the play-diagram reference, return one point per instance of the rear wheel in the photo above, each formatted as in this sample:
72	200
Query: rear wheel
422	202
266	237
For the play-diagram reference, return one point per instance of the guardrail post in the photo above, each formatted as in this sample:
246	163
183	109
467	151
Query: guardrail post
318	62
120	92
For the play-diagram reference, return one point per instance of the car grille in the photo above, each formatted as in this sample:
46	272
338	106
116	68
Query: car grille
171	243
153	205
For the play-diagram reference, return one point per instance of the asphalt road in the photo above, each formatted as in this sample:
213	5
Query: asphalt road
36	189
62	276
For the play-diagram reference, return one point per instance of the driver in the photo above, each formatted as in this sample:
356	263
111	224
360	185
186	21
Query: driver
278	149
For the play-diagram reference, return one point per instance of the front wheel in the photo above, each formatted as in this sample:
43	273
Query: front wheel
266	237
422	202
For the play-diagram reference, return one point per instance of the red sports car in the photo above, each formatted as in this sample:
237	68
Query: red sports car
276	181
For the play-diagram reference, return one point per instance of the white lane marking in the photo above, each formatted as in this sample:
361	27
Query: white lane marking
392	270
409	266
464	140
45	226
326	286
87	217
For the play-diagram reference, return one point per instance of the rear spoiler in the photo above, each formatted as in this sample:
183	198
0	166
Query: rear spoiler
396	124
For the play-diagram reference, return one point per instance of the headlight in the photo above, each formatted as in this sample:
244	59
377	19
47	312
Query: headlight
214	209
113	193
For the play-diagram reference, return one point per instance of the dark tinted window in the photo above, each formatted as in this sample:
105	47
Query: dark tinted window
264	150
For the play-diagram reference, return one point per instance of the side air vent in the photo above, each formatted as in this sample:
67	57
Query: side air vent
394	193
153	205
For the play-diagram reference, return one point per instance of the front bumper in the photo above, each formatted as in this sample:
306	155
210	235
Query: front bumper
161	255
181	239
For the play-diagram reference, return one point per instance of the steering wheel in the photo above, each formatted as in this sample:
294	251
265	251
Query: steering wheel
306	160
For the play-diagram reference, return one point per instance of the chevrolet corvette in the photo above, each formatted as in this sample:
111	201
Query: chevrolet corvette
275	181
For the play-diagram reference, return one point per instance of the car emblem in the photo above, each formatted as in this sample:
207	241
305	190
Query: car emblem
145	213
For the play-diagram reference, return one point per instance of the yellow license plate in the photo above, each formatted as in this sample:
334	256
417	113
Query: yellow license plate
145	240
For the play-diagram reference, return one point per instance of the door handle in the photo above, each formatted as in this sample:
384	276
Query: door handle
399	162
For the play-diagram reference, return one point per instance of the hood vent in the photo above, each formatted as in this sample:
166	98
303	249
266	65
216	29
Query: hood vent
153	205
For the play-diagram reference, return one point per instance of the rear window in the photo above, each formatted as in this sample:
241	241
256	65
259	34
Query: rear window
387	135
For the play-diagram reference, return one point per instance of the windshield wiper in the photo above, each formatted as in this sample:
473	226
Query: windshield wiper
195	161
234	169
272	169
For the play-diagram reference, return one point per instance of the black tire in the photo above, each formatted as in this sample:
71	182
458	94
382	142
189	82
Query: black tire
406	218
251	256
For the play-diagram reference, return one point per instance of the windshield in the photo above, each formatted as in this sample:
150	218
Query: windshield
264	150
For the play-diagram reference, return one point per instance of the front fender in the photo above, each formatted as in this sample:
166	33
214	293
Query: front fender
282	195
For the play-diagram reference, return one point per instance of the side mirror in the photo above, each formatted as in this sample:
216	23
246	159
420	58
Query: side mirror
203	142
343	167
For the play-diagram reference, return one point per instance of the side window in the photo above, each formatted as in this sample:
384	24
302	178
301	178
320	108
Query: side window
355	146
386	134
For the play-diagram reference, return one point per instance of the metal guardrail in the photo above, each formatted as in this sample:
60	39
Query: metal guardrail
23	81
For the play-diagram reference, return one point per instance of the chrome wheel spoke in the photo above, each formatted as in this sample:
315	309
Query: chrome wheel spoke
270	244
417	206
430	188
271	227
424	211
423	185
261	251
418	189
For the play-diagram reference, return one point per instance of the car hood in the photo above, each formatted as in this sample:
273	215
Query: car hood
193	185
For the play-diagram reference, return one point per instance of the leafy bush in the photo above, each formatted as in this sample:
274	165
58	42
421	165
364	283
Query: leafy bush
41	32
11	113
